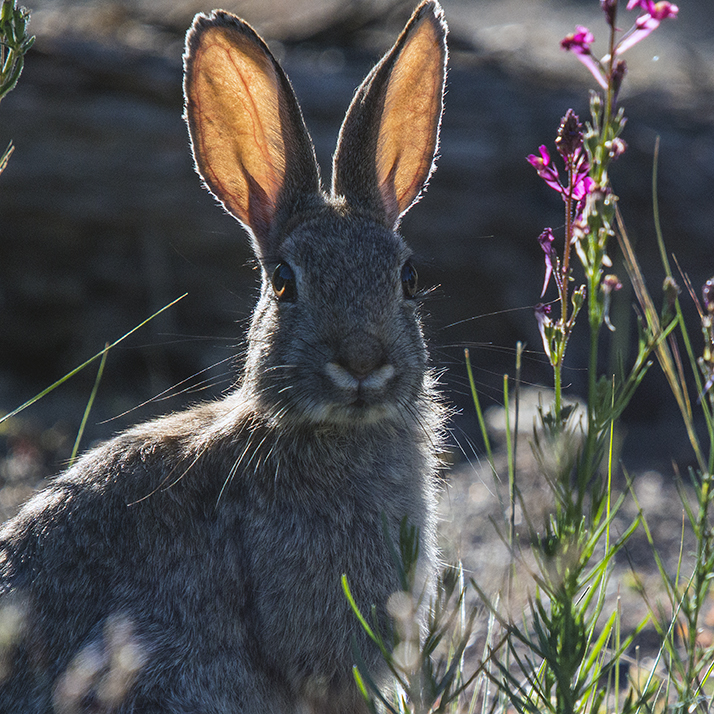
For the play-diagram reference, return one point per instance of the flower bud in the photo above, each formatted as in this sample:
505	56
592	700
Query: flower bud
578	298
570	135
615	148
611	283
708	296
545	239
545	327
671	290
609	7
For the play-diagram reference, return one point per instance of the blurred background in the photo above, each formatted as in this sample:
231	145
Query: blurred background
103	220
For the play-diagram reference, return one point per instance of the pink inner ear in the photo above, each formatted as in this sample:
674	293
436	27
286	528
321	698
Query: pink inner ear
409	126
233	104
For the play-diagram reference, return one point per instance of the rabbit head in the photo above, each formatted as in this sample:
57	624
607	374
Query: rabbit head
335	338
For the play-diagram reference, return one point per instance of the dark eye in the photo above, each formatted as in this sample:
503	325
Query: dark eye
284	283
409	280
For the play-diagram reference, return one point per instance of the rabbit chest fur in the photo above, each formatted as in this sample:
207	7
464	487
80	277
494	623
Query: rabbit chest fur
225	581
193	563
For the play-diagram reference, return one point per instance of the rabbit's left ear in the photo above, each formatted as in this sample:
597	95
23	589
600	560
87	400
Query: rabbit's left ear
247	132
388	141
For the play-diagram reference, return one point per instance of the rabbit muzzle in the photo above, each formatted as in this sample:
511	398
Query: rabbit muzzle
345	379
361	369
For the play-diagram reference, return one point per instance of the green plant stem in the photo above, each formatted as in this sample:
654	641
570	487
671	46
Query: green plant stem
558	387
610	66
563	290
655	212
588	466
511	466
479	412
568	240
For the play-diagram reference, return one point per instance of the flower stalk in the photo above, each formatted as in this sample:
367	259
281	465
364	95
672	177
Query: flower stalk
590	204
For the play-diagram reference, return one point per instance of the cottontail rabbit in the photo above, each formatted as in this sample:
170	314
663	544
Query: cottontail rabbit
192	564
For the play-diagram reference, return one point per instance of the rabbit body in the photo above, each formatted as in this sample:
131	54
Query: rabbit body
231	592
193	563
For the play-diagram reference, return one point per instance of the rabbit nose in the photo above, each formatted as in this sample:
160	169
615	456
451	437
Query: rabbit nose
361	354
360	362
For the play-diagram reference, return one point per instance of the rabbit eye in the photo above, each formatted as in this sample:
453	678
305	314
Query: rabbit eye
409	280
284	283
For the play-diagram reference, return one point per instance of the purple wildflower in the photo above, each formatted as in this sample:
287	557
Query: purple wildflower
570	146
569	141
579	43
543	166
659	10
545	239
582	184
655	12
545	326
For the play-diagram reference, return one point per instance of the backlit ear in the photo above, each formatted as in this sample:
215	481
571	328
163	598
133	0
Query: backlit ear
390	135
248	136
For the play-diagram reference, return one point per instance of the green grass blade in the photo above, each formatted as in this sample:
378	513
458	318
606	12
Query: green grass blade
479	412
78	369
357	611
88	408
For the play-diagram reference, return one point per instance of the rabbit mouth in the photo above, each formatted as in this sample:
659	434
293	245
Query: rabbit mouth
360	411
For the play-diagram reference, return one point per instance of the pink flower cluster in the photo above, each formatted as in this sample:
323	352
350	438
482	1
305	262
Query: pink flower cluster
579	41
579	184
654	13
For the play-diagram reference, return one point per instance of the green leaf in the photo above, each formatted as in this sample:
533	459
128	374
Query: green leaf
357	611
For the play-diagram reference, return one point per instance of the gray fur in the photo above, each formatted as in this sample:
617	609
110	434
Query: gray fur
193	563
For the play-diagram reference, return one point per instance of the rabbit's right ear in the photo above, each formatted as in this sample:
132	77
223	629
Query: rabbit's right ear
390	135
248	136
